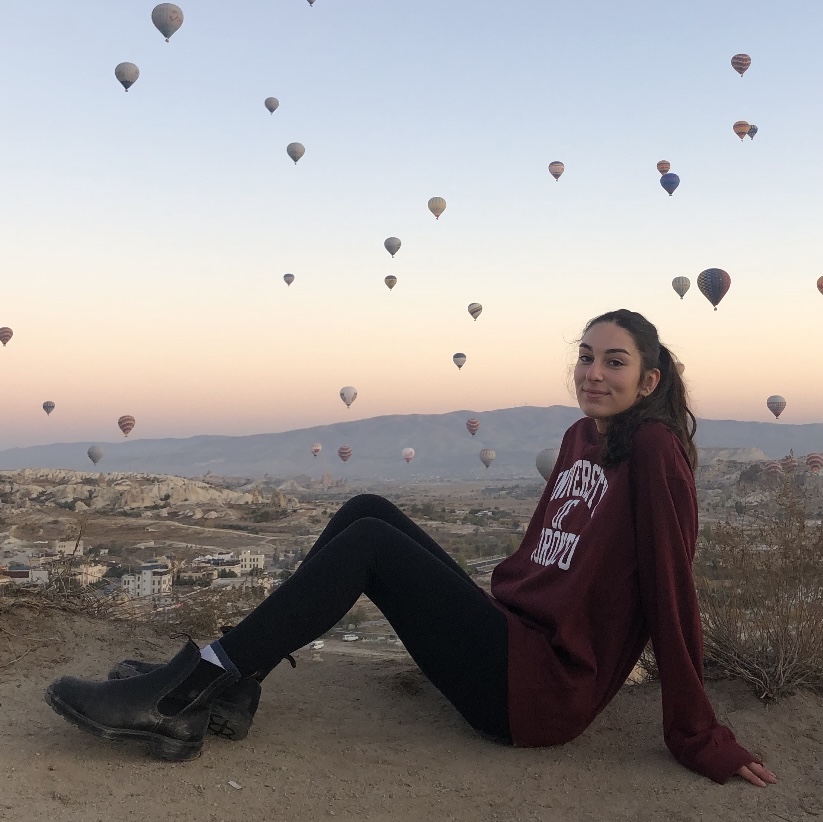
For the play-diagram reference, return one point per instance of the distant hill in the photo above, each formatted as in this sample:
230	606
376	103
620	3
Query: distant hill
443	447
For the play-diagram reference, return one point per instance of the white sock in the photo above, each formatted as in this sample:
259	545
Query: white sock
209	655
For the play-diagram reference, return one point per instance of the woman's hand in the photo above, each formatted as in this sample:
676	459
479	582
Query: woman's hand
755	773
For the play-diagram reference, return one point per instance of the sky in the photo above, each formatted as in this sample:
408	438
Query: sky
144	236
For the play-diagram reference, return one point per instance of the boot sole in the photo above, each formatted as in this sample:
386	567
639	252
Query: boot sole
161	747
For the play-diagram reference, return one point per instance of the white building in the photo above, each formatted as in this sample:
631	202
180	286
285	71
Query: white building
66	546
249	560
148	581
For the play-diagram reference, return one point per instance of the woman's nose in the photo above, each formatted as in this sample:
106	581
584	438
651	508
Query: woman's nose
594	372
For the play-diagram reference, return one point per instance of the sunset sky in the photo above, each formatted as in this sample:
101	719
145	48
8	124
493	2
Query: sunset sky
144	236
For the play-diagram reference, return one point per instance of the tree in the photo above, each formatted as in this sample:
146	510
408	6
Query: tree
226	573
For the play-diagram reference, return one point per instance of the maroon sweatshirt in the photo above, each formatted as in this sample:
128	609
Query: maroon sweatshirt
605	564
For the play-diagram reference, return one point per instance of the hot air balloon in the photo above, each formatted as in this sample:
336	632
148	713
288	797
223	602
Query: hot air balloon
311	2
288	278
487	456
408	454
459	360
680	368
789	462
815	463
670	182
437	205
272	104
741	128
473	425
5	335
392	245
126	74
556	168
475	309
773	468
348	393
295	151
167	18
48	407
820	284
316	449
545	462
663	166
681	285
126	423
740	62
752	131
713	284
344	452
390	281
95	453
776	404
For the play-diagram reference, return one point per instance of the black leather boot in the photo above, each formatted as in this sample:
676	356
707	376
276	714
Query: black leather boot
168	707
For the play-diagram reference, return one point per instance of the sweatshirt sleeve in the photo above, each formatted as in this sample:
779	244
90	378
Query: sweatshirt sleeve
666	530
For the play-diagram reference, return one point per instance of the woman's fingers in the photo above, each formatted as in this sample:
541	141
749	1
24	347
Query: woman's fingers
757	774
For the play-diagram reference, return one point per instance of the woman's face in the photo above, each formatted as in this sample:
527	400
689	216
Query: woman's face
607	377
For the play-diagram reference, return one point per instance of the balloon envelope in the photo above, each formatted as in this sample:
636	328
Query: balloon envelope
348	393
741	128
663	166
390	281
713	284
48	407
472	425
408	454
288	278
126	74
556	168
475	309
740	62
95	454
681	285
776	404
125	424
167	18
820	284
295	151
5	335
392	245
670	182
487	456
773	468
459	359
752	131
271	103
789	463
545	462
814	462
437	205
344	452
316	448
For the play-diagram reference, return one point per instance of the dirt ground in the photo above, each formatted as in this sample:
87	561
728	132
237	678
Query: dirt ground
356	736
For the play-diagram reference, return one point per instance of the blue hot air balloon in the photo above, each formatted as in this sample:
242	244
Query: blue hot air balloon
670	182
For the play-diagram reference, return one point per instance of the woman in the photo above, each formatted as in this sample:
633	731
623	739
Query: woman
604	565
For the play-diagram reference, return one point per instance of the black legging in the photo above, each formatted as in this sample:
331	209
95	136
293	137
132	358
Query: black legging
448	625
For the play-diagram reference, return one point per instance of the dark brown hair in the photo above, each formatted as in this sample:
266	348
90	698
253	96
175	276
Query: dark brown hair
668	403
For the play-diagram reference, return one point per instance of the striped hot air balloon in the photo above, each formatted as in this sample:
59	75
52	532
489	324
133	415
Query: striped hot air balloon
681	285
167	18
459	359
663	166
487	456
556	168
344	452
126	424
437	205
773	468
815	463
713	284
473	425
789	463
48	407
776	404
740	62
390	281
475	309
5	335
741	128
408	454
316	449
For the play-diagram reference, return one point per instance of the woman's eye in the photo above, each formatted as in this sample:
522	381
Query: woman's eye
615	363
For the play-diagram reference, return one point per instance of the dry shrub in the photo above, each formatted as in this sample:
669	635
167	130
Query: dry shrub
761	596
202	615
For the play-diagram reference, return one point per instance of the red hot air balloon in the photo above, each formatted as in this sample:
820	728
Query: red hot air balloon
776	404
5	335
773	468
814	463
473	425
126	423
740	62
713	284
344	452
